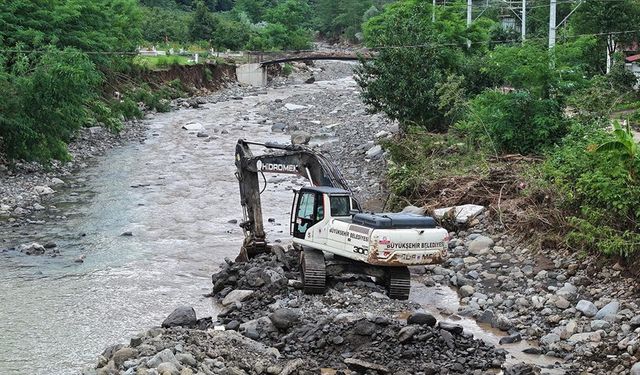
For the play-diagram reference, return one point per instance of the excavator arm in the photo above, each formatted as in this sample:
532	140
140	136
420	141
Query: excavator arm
287	159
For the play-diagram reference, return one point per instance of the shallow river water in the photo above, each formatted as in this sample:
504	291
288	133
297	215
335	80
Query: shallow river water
175	193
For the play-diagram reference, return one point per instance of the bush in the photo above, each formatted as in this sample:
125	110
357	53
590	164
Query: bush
42	110
513	122
287	69
597	192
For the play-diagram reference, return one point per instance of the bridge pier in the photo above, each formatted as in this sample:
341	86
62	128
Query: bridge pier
252	74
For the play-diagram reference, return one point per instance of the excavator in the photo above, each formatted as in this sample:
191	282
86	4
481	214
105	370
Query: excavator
328	227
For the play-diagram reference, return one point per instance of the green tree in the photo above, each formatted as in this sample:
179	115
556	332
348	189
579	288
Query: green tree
415	55
42	110
608	19
203	24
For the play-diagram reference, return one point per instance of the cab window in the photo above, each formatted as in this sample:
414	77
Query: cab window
340	206
307	203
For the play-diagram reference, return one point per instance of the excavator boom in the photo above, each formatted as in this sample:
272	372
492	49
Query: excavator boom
287	159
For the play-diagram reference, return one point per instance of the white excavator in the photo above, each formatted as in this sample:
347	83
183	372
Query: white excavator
328	227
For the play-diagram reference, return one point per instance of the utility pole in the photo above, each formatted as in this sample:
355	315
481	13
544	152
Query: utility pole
524	20
433	12
552	24
469	18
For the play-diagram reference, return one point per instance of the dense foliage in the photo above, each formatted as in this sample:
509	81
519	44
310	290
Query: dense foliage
403	81
493	97
51	69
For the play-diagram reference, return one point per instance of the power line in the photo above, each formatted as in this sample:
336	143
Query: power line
436	45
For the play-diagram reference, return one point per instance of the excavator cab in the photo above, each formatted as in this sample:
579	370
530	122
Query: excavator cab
312	205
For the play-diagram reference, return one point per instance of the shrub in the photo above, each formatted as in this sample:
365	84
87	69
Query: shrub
287	69
513	122
597	192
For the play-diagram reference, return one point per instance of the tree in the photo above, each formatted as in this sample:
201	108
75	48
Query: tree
203	24
611	20
415	55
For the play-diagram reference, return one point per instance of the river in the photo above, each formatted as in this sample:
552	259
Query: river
176	194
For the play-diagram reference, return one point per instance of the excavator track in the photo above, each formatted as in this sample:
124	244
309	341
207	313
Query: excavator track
398	282
312	269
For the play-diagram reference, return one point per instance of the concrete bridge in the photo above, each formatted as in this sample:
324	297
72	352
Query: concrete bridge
255	72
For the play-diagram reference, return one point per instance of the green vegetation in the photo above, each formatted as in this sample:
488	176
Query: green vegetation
154	62
55	57
264	25
468	99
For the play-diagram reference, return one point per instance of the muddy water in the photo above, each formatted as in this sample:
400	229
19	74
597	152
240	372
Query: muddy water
442	302
176	194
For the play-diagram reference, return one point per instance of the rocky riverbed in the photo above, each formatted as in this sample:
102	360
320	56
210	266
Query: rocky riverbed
144	227
269	326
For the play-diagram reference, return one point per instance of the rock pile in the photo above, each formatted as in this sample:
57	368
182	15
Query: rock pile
268	326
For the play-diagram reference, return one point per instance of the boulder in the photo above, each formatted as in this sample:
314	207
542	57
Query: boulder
587	308
284	319
610	308
466	291
584	337
300	138
56	181
374	152
294	107
502	323
635	369
123	355
462	214
599	324
407	333
549	339
568	291
162	357
184	316
167	368
237	295
363	366
32	249
451	327
422	319
480	245
43	190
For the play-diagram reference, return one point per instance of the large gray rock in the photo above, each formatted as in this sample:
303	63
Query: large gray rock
32	249
480	245
635	369
599	324
237	295
466	291
363	366
184	316
168	368
284	319
294	107
374	152
422	319
568	291
123	355
610	308
406	333
162	357
300	138
635	322
462	214
502	323
43	190
584	337
549	339
587	308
